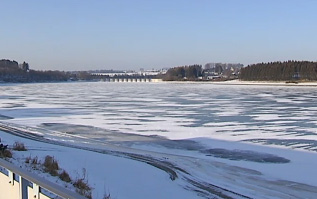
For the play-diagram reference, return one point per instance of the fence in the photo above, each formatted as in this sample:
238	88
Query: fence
16	183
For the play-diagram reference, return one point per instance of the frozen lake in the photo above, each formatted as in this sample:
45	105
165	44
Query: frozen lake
283	116
252	140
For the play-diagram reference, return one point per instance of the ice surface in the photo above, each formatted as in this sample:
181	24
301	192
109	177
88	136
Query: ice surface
166	118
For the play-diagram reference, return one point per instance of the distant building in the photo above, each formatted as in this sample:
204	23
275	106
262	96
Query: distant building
152	72
221	70
142	72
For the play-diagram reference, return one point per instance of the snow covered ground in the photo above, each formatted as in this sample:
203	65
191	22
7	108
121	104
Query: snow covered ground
106	174
257	141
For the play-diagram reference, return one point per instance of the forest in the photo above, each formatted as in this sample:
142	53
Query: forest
280	71
11	71
181	73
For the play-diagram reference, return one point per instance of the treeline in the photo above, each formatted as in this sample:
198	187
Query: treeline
19	75
11	71
181	73
280	71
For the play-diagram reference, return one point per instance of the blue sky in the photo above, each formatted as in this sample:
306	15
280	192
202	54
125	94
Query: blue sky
133	34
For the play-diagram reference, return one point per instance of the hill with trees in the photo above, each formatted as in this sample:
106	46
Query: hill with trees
280	71
11	71
180	73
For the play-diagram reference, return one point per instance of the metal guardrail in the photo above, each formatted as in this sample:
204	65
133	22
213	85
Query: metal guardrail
38	183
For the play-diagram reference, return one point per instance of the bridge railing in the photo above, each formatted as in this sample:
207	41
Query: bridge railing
17	183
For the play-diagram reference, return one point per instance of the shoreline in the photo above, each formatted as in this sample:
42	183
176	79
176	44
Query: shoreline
266	83
249	83
227	82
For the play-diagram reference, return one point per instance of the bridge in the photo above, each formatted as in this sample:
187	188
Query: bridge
129	79
125	77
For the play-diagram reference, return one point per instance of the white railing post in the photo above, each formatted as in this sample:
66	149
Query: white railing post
36	190
11	177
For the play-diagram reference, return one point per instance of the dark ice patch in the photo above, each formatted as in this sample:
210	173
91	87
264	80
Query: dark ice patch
4	117
245	155
122	139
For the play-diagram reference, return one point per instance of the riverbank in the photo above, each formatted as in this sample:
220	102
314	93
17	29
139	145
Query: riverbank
102	169
145	168
265	83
